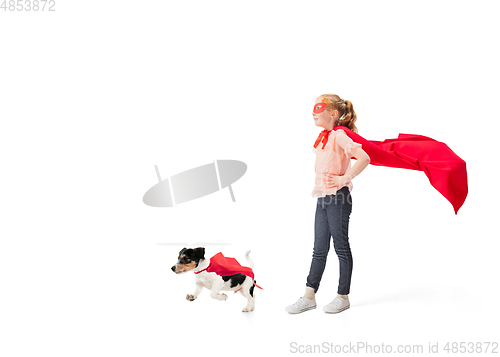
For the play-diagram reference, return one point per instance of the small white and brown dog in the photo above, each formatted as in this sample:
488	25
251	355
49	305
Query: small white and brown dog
194	260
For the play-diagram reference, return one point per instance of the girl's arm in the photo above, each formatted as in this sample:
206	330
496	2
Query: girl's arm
362	161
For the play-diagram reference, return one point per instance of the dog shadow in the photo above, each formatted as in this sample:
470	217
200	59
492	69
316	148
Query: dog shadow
186	244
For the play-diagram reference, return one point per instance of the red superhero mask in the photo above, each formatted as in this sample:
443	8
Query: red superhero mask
319	107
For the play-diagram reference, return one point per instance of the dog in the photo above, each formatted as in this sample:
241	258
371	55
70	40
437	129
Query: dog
194	260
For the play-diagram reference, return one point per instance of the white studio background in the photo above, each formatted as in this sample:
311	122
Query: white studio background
96	93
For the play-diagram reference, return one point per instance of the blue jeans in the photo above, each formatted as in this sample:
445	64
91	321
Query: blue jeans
332	220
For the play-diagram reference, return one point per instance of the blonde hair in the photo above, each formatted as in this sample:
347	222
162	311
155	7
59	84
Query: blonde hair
347	115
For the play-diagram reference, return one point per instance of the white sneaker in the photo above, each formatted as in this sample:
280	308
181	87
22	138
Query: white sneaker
337	305
303	304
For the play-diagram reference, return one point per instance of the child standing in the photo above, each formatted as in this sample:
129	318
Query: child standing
334	174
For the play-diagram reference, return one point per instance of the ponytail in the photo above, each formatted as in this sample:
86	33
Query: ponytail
349	116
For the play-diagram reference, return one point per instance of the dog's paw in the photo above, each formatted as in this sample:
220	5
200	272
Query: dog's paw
223	297
248	308
190	297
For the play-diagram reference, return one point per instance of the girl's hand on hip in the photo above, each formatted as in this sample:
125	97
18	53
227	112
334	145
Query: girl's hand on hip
331	181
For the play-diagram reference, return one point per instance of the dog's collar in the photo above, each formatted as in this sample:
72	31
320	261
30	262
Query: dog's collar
198	272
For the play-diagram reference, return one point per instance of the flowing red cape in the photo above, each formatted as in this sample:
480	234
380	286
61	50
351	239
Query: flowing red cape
446	171
224	266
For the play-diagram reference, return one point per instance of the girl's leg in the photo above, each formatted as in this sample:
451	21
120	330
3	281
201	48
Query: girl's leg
321	244
338	219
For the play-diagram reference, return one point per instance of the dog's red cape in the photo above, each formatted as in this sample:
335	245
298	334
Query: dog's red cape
446	171
224	266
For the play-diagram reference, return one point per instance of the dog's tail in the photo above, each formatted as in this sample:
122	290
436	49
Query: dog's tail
250	263
249	260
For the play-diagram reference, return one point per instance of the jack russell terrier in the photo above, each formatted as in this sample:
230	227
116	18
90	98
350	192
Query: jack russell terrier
216	274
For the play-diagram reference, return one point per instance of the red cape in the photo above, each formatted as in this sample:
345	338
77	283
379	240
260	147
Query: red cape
223	266
446	171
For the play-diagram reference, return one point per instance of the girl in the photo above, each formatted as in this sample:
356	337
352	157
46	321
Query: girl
334	174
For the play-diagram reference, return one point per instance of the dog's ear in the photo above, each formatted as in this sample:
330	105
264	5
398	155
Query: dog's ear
182	251
199	252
